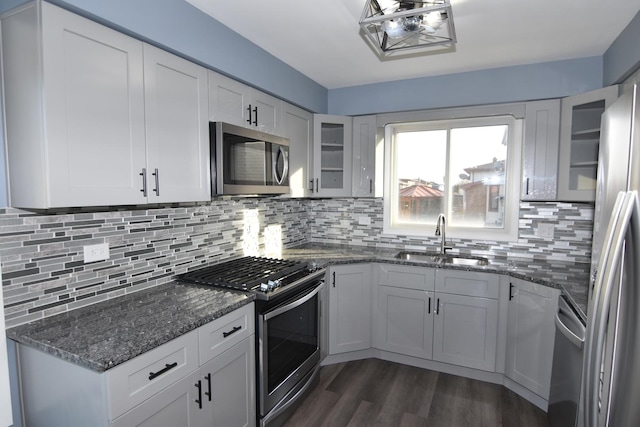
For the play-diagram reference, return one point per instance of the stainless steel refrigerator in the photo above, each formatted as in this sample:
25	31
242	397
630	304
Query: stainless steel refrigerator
610	392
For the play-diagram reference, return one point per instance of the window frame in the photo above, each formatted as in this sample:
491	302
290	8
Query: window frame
512	188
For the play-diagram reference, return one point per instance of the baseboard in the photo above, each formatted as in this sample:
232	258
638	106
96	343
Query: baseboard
526	394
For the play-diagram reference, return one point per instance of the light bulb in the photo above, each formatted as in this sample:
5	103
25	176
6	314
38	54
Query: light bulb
393	28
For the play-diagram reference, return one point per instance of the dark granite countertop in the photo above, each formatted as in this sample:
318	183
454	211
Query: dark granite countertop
571	278
104	335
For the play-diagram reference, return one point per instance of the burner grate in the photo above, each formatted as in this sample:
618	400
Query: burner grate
244	273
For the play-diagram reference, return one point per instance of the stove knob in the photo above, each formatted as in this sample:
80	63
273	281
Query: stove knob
264	287
277	283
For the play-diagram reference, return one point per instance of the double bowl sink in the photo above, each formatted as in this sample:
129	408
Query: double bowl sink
438	258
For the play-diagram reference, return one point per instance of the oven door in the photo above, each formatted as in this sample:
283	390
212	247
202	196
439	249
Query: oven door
288	346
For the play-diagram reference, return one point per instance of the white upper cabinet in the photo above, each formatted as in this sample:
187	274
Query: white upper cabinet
177	128
233	102
364	145
298	128
541	140
332	151
579	143
75	108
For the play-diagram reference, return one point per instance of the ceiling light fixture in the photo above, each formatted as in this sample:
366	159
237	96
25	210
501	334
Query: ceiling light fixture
394	26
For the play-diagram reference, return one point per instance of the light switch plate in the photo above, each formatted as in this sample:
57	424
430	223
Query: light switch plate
97	252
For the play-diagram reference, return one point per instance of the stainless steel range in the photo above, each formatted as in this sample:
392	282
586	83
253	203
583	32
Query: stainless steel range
287	326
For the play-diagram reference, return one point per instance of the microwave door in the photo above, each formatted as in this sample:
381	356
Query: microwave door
246	164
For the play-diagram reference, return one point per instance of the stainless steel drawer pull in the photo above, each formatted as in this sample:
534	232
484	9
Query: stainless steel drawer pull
156	174
143	174
231	332
167	368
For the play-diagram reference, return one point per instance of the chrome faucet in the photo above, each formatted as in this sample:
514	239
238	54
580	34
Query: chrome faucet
441	231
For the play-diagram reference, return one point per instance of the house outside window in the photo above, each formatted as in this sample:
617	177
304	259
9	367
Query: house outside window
467	169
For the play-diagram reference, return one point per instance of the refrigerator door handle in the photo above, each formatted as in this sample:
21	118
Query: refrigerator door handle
600	314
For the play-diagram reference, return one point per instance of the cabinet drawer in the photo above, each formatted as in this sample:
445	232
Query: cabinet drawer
225	332
138	379
468	283
404	276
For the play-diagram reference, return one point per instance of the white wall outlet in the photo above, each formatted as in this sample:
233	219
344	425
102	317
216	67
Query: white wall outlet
545	230
94	253
364	220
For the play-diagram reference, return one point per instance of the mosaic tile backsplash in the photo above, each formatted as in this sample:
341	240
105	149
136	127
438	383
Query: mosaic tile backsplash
42	253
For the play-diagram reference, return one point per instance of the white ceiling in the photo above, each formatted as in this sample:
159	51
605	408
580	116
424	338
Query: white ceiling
322	38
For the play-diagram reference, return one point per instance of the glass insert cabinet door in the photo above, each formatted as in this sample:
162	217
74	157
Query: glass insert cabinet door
332	146
579	143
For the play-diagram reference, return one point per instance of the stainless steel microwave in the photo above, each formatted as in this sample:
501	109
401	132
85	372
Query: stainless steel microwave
247	161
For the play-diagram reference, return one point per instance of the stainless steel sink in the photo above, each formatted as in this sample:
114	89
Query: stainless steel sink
438	258
433	257
464	260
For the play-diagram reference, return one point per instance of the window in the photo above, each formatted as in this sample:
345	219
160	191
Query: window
465	168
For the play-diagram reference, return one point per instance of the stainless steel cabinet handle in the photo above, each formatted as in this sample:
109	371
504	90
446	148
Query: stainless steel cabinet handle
370	186
317	185
156	174
255	116
311	182
438	306
143	174
510	293
526	187
249	110
334	279
429	306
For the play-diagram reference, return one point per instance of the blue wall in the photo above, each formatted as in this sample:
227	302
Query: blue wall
520	83
623	56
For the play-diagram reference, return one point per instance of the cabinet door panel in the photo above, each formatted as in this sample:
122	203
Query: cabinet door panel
94	112
364	147
174	406
468	283
541	141
402	276
530	335
232	401
227	100
350	308
465	331
177	128
268	112
405	323
298	127
332	151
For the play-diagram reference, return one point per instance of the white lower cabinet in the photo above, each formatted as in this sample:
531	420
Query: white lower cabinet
228	387
416	318
465	331
174	406
531	335
349	307
203	378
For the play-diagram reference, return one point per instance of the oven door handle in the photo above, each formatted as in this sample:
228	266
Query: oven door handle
298	302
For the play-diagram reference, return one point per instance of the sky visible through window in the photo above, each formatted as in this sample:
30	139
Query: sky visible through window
422	154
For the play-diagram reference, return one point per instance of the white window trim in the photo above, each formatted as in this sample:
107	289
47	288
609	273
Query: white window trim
514	162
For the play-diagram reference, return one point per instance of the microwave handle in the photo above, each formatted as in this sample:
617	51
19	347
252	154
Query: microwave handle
285	170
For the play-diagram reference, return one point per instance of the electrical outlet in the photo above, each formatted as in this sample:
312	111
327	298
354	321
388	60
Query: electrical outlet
94	253
545	231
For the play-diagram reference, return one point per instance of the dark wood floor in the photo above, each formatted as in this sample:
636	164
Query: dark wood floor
374	392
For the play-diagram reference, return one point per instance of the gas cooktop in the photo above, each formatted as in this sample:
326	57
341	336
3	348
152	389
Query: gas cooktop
253	274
